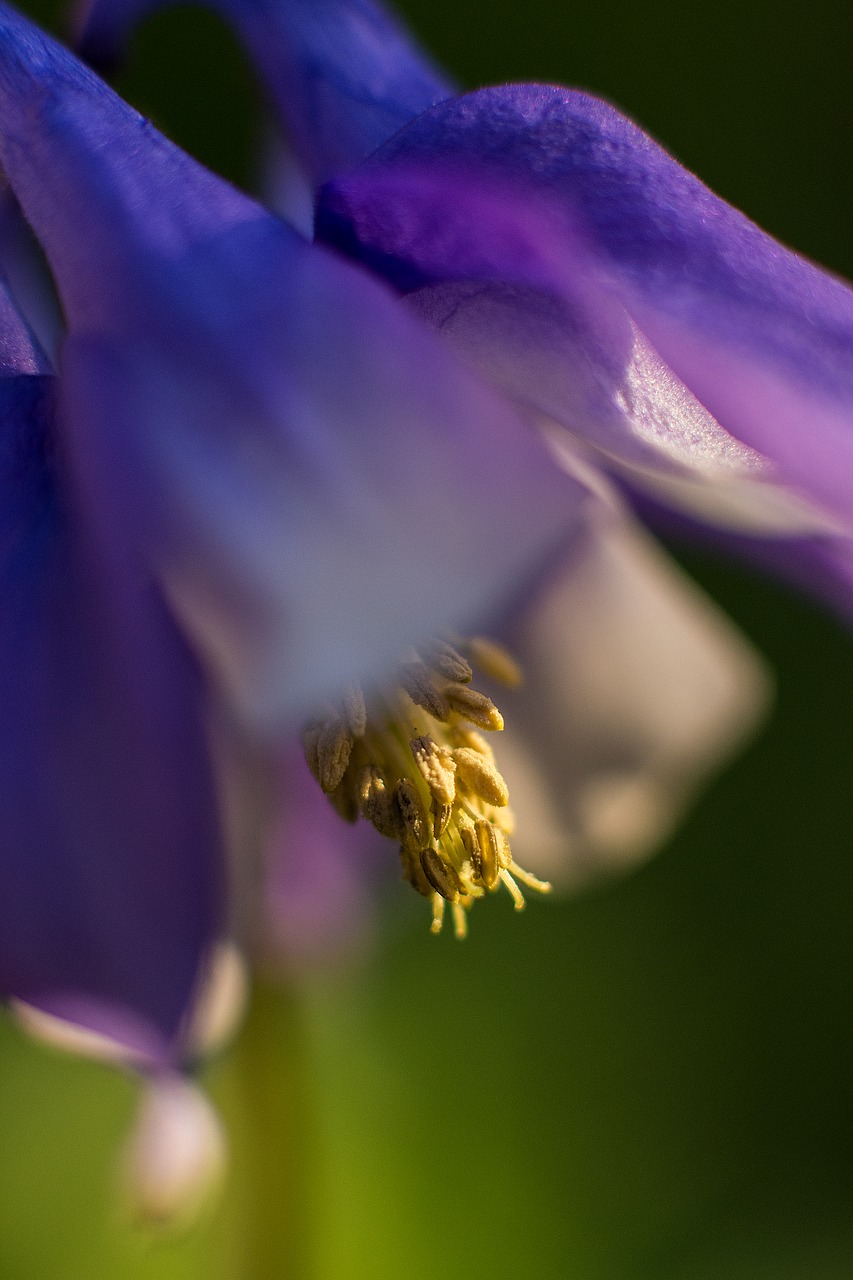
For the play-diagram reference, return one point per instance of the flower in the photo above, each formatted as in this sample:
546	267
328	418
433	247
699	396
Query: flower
241	429
640	322
254	477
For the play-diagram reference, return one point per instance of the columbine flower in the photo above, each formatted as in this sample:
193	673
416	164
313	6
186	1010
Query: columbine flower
258	451
641	323
257	479
242	431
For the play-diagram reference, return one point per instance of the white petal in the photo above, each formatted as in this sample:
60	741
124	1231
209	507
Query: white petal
175	1154
637	689
221	1002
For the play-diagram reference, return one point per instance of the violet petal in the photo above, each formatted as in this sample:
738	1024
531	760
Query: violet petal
760	336
309	470
110	868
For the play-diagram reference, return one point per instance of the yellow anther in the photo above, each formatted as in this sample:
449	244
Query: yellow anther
504	851
438	793
494	661
437	768
441	875
474	706
334	746
488	843
376	802
481	776
416	833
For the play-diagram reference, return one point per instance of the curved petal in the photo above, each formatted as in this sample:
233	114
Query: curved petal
762	338
112	202
109	860
636	689
316	478
343	75
521	295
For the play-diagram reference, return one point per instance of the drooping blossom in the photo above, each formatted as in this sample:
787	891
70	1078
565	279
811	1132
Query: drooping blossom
206	516
281	478
254	477
642	324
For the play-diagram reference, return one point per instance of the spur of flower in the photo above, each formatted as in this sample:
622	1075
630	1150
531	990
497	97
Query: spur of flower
252	493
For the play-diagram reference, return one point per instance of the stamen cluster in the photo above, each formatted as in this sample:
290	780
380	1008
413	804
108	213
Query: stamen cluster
412	761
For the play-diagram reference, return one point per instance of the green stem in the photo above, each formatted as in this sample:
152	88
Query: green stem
273	1148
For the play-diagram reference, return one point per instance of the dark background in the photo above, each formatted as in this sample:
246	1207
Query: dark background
651	1082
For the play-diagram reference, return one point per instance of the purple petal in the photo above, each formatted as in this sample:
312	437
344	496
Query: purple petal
315	477
318	905
762	338
521	294
110	863
111	202
344	75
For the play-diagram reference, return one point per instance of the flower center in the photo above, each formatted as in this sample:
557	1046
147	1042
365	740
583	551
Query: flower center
413	763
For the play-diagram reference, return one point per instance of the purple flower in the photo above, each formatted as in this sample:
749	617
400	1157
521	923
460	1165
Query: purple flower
651	329
254	477
242	431
519	218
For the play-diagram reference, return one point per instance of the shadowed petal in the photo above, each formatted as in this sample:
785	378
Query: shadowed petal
21	355
109	862
636	688
343	75
762	338
24	270
316	478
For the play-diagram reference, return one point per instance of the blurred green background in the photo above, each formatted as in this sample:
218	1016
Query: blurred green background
650	1082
